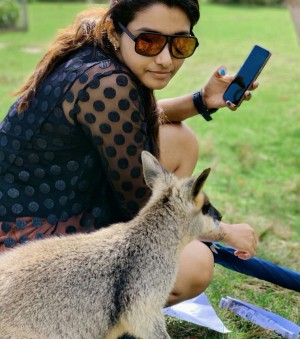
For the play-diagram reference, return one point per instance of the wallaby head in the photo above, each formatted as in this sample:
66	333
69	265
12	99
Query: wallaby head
185	197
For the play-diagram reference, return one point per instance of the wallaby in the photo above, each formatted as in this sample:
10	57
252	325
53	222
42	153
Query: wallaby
110	282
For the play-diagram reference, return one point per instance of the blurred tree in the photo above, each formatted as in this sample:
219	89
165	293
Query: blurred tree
13	15
24	14
9	14
294	7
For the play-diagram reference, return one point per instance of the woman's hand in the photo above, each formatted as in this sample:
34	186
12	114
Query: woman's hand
212	92
241	237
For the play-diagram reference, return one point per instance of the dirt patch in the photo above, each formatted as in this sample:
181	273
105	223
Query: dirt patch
32	50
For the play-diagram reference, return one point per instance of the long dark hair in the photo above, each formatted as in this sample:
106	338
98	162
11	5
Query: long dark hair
89	27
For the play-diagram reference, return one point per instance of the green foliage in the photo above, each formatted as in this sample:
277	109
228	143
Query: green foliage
68	1
9	13
56	1
249	2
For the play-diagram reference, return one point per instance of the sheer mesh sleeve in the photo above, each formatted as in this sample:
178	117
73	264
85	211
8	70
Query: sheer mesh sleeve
110	109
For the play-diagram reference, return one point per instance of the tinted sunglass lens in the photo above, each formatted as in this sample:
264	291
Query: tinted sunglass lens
150	44
183	47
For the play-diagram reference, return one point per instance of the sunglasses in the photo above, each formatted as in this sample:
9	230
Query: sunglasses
151	44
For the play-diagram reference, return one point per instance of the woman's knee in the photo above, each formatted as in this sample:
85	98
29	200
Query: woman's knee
196	269
179	148
201	267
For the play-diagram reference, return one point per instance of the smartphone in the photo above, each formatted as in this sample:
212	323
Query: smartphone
250	70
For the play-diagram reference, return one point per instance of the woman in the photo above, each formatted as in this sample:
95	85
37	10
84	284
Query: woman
71	143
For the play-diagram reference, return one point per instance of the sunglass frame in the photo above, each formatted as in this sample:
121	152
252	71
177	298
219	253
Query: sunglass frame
169	40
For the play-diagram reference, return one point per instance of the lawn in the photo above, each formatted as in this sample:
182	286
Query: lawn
254	152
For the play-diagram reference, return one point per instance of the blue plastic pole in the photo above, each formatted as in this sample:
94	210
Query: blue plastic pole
258	268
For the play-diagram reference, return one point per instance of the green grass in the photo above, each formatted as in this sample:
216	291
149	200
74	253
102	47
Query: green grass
254	152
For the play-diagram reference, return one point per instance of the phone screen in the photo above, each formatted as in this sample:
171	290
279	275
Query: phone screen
247	74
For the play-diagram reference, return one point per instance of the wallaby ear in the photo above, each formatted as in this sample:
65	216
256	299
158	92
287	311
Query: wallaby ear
199	182
152	168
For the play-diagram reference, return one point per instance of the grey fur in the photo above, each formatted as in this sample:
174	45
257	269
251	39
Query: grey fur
109	282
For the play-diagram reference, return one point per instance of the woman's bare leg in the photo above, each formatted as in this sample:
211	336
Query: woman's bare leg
178	149
179	154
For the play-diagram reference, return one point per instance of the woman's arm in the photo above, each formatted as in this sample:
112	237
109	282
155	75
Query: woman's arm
181	108
239	236
178	109
108	112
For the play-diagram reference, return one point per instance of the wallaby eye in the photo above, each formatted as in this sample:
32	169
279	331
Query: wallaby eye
205	208
208	209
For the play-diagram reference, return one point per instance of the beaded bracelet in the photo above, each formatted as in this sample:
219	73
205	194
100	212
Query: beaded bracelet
201	108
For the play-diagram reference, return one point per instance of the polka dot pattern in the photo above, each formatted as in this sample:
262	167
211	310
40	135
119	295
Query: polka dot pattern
53	170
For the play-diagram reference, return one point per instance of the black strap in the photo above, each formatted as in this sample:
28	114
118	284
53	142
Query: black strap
201	108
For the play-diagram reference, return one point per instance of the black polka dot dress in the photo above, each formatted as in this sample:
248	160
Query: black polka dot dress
71	161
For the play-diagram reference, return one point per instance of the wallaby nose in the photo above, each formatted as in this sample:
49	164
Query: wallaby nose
209	209
214	213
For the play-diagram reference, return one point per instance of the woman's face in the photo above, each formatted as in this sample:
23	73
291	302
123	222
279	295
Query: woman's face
154	72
